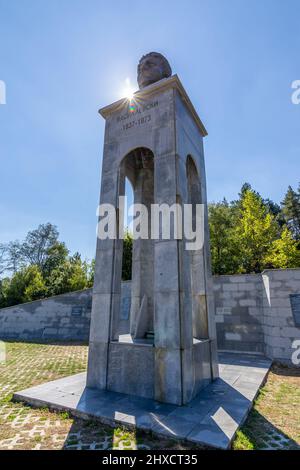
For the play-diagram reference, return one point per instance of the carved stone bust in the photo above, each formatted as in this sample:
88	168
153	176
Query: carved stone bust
152	68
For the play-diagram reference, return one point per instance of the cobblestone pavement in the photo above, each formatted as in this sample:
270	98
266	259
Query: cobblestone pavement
274	422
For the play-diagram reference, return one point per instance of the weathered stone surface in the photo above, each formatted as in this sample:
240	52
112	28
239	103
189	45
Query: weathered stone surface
168	384
99	330
131	369
53	318
212	418
167	320
97	365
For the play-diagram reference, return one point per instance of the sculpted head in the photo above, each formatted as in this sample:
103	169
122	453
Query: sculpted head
152	68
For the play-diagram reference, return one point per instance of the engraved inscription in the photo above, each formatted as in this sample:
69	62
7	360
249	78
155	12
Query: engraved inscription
134	116
137	122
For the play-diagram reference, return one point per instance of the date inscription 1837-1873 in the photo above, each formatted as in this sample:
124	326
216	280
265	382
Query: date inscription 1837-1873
134	113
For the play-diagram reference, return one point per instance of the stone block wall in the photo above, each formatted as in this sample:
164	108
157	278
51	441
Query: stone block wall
238	301
63	317
253	314
280	330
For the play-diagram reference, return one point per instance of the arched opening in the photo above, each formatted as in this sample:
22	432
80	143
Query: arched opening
137	169
127	240
197	261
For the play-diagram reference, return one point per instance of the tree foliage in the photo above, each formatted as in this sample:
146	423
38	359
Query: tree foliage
284	252
37	244
36	249
3	258
251	234
127	256
4	286
56	255
70	275
254	232
41	267
291	211
14	260
223	244
25	285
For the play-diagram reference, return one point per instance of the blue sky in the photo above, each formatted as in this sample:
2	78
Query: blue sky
61	60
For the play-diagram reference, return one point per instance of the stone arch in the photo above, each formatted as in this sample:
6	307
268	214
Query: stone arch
138	166
197	257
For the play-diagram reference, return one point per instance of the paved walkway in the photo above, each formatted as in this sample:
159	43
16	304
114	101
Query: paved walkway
211	419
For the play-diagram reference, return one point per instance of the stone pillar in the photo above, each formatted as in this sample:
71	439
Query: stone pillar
107	287
168	384
173	306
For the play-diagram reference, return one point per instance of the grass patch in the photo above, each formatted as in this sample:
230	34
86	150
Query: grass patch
274	421
242	442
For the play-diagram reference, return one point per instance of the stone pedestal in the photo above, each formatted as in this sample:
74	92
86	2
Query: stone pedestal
157	143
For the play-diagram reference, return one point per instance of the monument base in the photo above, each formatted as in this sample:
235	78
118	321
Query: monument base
132	366
210	419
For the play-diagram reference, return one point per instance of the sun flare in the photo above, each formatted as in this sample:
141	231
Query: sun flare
128	91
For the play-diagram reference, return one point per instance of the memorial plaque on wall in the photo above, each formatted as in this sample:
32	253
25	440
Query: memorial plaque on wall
77	311
295	304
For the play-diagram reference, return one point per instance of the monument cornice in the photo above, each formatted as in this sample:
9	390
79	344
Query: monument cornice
164	84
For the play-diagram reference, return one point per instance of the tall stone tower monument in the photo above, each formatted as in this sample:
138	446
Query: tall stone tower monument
168	351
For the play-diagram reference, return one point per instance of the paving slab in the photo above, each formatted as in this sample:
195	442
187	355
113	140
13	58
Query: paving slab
211	419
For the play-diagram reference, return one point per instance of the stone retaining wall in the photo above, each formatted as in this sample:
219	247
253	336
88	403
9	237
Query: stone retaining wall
253	314
63	317
239	316
280	324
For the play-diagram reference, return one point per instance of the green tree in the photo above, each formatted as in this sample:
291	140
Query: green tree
14	257
53	270
3	258
4	286
222	219
291	211
284	252
56	255
91	273
36	246
68	276
244	189
127	256
26	285
270	205
255	231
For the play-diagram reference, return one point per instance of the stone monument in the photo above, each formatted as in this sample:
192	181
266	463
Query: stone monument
169	351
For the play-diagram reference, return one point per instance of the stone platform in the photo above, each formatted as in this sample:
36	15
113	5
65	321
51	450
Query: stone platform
211	419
